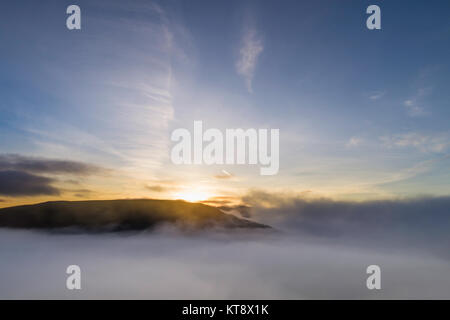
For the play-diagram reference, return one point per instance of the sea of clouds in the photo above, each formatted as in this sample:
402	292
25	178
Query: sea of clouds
319	249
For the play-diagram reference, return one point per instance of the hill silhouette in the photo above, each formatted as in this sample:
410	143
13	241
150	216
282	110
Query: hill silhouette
119	215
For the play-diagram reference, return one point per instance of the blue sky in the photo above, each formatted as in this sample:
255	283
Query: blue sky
362	113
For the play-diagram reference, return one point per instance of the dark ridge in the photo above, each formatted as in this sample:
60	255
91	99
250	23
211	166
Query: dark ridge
119	215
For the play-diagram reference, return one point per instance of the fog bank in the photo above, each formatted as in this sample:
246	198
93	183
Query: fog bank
220	265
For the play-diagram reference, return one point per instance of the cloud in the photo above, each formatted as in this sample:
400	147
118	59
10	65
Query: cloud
354	142
158	185
232	265
221	200
436	143
413	221
20	183
72	181
410	172
213	202
224	175
414	107
243	210
82	193
377	95
251	48
156	188
21	175
48	166
135	92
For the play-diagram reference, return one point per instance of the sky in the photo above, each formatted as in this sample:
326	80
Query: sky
88	114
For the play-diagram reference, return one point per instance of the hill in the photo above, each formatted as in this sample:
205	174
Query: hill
119	215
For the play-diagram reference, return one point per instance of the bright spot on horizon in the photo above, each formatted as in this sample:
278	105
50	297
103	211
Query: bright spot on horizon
192	195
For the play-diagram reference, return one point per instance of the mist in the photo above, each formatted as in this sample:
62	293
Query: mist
236	264
316	249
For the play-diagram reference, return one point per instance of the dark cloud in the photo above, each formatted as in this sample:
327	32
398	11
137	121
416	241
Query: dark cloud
20	183
20	175
41	165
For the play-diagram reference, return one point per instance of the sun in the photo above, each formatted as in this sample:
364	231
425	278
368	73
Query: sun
192	195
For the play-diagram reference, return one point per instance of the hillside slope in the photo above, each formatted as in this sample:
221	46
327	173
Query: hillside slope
119	215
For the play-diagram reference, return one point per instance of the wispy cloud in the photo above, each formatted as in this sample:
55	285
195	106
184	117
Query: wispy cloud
223	201
160	186
414	105
426	143
224	175
117	107
156	188
251	48
354	142
409	172
82	193
377	95
413	109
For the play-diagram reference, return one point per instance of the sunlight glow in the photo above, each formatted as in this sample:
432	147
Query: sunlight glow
192	195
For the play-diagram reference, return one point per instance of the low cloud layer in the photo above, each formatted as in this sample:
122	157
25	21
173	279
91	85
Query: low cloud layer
320	250
423	222
232	265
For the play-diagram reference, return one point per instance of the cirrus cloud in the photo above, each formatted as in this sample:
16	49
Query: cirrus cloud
436	143
252	47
